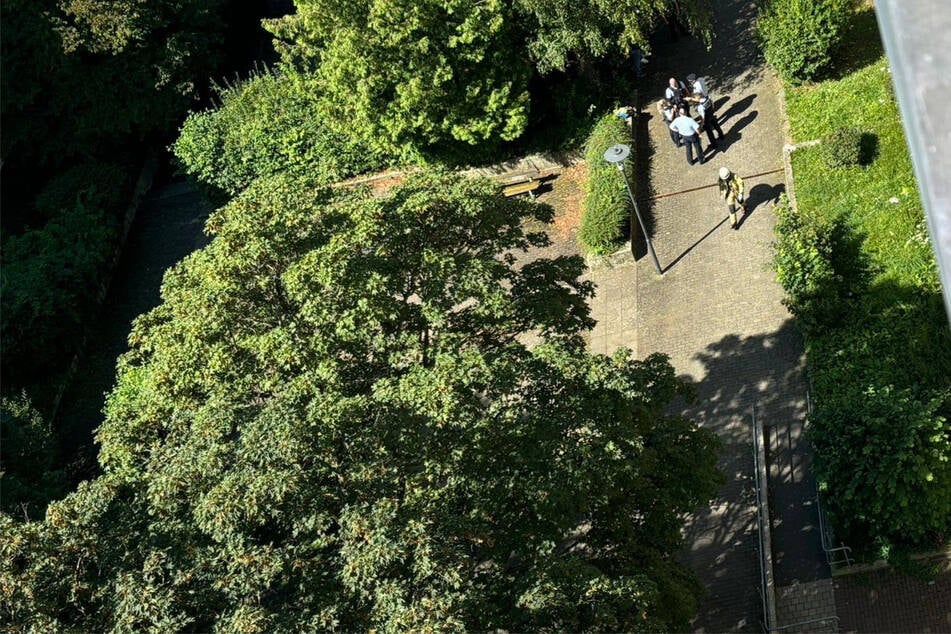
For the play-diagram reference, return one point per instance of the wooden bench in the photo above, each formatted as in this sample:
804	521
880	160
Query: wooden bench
526	187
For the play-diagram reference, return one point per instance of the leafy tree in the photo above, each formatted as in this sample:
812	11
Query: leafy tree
408	76
51	275
81	77
269	124
333	422
561	30
28	480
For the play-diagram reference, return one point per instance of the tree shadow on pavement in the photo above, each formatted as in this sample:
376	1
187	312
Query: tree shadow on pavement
743	375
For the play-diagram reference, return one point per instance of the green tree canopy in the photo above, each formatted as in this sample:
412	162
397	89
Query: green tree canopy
410	75
333	421
562	29
80	76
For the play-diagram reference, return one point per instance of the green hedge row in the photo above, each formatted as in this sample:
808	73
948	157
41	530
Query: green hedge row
881	426
606	204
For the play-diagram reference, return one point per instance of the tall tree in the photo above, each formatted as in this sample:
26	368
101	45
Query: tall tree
80	76
333	422
560	30
410	75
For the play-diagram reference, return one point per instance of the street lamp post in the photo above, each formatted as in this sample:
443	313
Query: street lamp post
616	155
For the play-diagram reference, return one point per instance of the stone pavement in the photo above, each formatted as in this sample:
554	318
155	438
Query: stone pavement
887	601
717	313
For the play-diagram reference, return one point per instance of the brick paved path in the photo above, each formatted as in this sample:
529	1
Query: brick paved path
716	311
887	601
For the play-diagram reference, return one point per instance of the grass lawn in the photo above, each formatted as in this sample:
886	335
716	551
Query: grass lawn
881	198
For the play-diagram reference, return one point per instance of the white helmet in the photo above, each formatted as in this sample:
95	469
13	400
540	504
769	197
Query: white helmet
725	173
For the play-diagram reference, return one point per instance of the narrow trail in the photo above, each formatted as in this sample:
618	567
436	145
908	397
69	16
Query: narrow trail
168	226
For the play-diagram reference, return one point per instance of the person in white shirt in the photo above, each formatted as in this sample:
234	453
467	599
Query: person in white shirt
690	133
697	84
669	113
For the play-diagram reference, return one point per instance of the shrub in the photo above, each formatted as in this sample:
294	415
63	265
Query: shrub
799	36
819	264
884	456
268	124
606	203
49	284
28	448
842	148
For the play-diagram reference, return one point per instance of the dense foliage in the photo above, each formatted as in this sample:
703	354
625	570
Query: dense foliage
842	148
332	423
799	37
564	31
28	477
375	83
407	76
51	275
606	203
860	276
81	78
87	89
268	124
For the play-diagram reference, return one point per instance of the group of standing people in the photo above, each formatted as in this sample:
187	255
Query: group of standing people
684	129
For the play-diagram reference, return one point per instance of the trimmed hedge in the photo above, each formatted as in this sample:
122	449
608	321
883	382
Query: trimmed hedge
842	148
799	36
606	203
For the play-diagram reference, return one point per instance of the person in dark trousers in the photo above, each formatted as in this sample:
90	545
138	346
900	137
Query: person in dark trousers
669	113
690	133
708	118
731	190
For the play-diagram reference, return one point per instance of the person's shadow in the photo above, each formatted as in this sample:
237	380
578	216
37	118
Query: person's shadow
760	195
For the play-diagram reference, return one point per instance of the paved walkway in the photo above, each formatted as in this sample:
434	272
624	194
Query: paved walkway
717	313
888	601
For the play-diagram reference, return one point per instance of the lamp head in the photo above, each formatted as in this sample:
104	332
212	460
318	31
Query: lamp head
617	154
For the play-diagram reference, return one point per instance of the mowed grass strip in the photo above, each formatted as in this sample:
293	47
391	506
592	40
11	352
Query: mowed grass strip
879	197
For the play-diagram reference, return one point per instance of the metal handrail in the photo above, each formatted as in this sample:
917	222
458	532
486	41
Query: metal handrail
761	528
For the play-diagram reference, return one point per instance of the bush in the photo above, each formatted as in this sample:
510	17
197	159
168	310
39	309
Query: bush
799	36
884	456
268	124
606	203
50	280
819	265
26	461
842	148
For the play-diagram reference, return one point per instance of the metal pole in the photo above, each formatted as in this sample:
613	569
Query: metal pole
637	212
